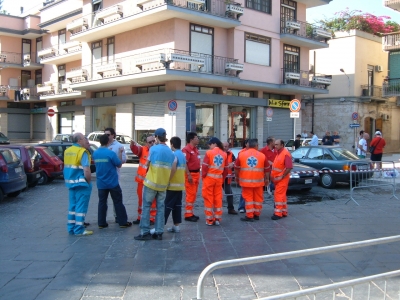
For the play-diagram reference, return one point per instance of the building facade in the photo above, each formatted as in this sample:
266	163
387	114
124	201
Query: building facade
210	66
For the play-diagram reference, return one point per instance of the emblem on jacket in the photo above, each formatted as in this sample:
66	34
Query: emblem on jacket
218	160
252	161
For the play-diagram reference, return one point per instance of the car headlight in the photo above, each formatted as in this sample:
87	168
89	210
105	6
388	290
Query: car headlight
316	173
294	175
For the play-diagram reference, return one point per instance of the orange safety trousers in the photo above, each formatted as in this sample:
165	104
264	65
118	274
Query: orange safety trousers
212	194
153	208
253	198
280	199
191	192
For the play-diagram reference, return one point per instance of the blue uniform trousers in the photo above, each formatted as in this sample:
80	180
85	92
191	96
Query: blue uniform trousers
78	205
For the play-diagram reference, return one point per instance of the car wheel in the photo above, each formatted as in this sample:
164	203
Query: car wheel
44	179
33	184
50	179
15	194
327	181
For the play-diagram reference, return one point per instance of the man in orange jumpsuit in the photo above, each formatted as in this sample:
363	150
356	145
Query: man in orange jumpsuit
192	174
250	169
280	176
214	171
143	153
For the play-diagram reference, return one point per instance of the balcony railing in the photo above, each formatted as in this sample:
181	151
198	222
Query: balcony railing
220	8
18	93
391	42
305	78
391	87
18	58
55	88
305	30
60	50
172	59
371	91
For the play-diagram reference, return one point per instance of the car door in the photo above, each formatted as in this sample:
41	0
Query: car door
314	158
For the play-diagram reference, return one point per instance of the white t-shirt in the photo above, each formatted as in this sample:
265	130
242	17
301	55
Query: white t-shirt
363	144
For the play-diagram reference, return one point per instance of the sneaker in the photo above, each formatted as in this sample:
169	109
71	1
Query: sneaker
143	237
247	219
174	229
232	212
275	217
86	232
209	224
136	222
196	217
86	224
241	211
256	217
217	223
152	231
103	226
157	236
284	216
127	224
192	218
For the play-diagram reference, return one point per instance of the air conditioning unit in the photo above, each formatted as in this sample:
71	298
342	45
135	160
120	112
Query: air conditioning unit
174	57
157	58
113	10
200	2
47	52
3	57
385	117
117	66
322	33
322	80
292	75
234	67
27	58
26	93
236	9
293	25
378	68
82	22
77	73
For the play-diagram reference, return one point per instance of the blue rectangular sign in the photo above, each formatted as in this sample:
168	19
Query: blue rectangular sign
354	125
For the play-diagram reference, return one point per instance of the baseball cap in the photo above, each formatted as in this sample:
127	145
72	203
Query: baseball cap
378	133
213	140
160	132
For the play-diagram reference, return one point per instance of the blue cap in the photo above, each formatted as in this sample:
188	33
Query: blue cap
213	140
160	132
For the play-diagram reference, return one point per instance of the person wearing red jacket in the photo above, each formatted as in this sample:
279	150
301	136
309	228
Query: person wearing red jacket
214	171
143	153
379	143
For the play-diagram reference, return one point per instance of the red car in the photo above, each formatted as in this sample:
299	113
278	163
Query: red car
52	166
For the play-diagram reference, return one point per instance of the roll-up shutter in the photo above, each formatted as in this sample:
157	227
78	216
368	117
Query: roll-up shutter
39	126
281	126
394	64
149	115
19	126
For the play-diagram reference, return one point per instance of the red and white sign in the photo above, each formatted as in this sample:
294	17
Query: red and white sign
50	112
294	105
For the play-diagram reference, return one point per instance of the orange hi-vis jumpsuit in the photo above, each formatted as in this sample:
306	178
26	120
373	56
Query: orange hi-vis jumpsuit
252	166
143	154
281	184
192	156
214	170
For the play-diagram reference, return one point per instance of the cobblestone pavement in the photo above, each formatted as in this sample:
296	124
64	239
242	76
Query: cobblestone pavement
39	260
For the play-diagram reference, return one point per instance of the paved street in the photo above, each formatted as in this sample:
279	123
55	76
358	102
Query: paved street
39	260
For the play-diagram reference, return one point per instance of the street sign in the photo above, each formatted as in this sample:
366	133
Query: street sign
295	106
270	112
172	113
295	115
269	119
354	125
354	116
172	105
50	112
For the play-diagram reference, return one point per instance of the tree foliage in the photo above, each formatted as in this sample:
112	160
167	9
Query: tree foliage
346	20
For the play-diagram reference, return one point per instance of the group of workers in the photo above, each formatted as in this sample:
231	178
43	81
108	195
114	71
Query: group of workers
164	173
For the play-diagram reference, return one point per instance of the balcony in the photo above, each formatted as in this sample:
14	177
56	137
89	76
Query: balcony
21	61
305	79
18	93
170	64
393	4
313	3
391	88
20	27
55	16
58	91
372	92
61	54
303	34
391	42
125	16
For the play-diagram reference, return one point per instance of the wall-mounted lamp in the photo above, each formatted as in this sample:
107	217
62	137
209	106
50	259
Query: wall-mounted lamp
348	79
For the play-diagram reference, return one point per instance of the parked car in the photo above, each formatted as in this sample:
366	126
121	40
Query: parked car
301	178
303	142
61	137
12	174
58	148
336	160
51	165
125	140
4	139
29	157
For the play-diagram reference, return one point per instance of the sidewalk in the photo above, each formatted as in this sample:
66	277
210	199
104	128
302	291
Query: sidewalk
39	260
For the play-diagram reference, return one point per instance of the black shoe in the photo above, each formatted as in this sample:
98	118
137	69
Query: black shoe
127	224
284	216
232	212
103	226
275	217
116	220
151	222
256	218
157	236
192	218
247	219
86	224
142	237
136	222
196	217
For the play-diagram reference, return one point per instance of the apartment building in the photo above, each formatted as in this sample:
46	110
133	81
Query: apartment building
210	66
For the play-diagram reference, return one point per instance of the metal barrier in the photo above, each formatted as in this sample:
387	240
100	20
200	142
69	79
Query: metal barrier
286	255
383	175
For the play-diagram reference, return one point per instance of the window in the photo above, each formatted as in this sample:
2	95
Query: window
288	12
261	5
112	93
61	37
200	89
26	46
39	46
38	77
110	49
18	105
257	49
67	103
25	77
316	153
276	97
240	93
151	89
291	59
97	5
61	73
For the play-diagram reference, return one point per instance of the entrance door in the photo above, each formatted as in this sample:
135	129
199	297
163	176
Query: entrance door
201	45
65	123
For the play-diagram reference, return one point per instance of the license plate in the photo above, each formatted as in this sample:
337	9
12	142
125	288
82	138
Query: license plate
18	170
38	175
308	181
362	167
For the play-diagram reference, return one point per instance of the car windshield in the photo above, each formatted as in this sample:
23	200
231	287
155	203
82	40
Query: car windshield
49	152
343	154
32	152
9	156
2	135
123	139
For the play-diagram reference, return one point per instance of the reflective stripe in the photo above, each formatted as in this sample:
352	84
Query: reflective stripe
71	212
208	209
278	170
252	169
280	203
181	168
209	217
140	176
249	203
162	166
72	167
217	168
257	210
249	210
278	210
251	180
217	209
205	164
155	184
177	184
79	223
71	221
143	166
214	175
75	181
188	211
80	214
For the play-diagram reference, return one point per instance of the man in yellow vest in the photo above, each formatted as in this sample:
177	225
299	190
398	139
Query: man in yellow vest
280	176
78	178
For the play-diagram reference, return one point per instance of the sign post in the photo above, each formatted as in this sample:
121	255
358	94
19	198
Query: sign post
355	125
294	107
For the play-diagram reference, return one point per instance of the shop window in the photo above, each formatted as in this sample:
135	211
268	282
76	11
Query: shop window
204	124
258	49
238	125
151	89
240	93
18	105
67	103
103	117
200	89
112	93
